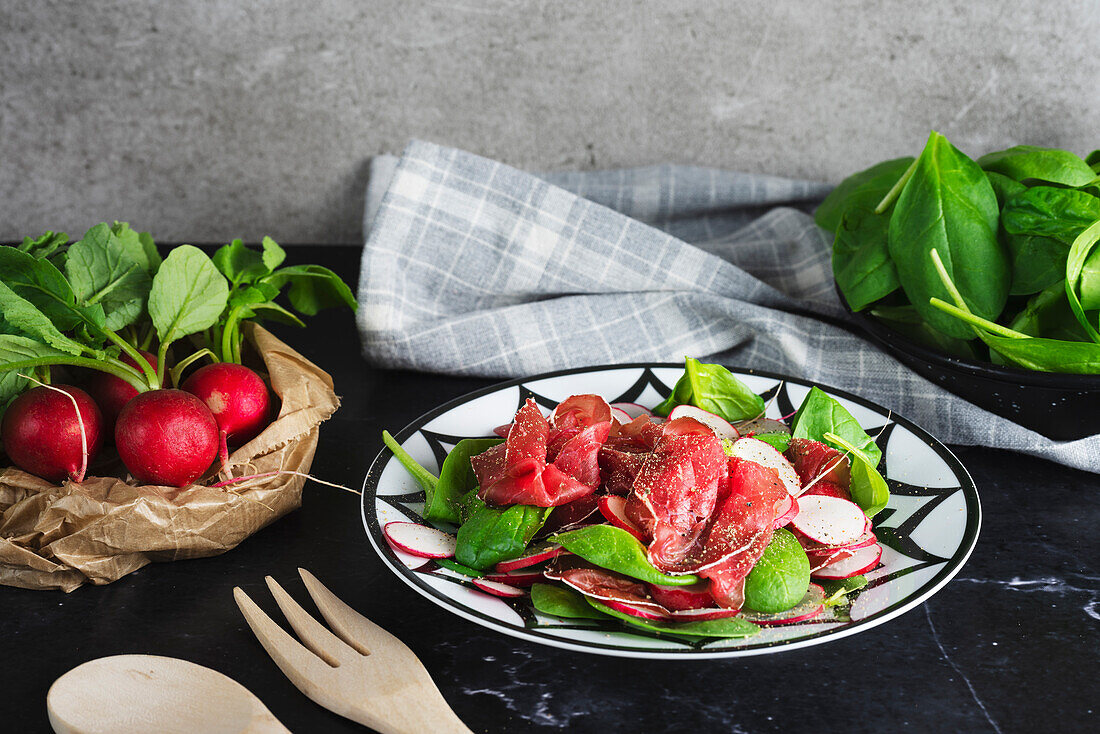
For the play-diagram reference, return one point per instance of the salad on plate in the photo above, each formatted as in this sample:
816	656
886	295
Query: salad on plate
698	518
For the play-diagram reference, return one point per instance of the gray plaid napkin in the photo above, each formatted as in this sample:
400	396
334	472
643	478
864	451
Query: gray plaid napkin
472	267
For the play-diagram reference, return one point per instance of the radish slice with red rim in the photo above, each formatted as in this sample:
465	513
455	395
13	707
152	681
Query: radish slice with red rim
620	415
635	611
788	514
702	615
498	589
530	559
420	540
861	561
682	598
766	455
613	507
516	578
829	521
631	409
722	428
810	606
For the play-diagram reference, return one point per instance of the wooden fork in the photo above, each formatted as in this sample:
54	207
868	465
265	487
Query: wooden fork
361	672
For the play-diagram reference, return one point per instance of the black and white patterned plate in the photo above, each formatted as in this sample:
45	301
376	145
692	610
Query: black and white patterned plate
927	530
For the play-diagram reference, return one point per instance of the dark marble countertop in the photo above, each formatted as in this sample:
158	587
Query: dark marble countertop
1011	644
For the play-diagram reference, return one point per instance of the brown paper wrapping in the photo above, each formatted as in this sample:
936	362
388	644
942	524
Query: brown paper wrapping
55	537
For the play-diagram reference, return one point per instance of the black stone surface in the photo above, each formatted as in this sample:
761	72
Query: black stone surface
1012	644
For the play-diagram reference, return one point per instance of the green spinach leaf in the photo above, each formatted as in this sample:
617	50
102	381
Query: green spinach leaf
713	388
1036	262
780	578
617	550
1024	162
1079	253
908	322
1047	314
862	266
456	478
1046	211
562	602
820	414
863	190
423	477
491	535
948	205
867	487
1004	187
726	627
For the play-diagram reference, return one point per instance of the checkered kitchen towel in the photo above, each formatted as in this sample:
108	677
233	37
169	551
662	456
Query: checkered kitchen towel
475	268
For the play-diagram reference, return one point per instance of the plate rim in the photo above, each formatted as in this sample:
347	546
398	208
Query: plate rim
932	586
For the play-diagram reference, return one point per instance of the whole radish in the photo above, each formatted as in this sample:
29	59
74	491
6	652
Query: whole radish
42	432
237	397
112	393
166	437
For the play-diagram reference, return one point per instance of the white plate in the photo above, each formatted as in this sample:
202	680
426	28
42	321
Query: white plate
927	530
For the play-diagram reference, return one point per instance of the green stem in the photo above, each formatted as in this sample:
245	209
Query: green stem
121	371
895	191
146	340
134	354
162	357
976	321
176	371
229	334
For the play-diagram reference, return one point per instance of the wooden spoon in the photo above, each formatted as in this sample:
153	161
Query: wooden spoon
146	693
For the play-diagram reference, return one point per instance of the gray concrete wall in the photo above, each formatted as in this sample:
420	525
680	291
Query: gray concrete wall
207	120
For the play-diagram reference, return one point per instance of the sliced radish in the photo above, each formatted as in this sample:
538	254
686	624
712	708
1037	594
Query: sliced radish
420	540
613	507
763	453
761	425
535	556
819	561
787	514
632	409
620	415
634	611
722	428
829	521
702	615
682	598
520	578
498	589
811	546
861	561
810	606
503	430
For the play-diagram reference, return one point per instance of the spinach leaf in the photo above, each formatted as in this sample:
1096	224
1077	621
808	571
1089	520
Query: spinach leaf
867	487
836	592
1036	262
1004	187
100	271
1047	314
456	478
780	578
491	535
907	321
820	414
948	205
1047	355
713	388
725	627
1023	162
188	294
617	550
458	568
1078	254
778	441
1093	159
562	602
864	190
423	477
1046	211
862	266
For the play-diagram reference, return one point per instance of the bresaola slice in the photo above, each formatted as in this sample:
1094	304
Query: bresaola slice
599	583
816	462
518	472
682	598
722	428
753	449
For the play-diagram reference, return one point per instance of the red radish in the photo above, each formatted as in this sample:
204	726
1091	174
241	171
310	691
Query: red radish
702	615
822	559
635	611
45	434
237	397
502	430
760	425
632	409
829	520
679	598
763	453
532	557
722	428
112	393
810	606
862	561
516	578
498	589
613	507
788	514
166	437
810	546
620	415
420	540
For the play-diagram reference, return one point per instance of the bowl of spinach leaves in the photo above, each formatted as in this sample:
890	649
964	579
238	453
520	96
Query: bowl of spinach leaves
981	275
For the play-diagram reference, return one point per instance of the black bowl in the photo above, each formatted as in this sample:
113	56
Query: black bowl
1058	405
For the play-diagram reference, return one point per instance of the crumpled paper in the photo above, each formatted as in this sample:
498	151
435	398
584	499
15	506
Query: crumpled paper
59	537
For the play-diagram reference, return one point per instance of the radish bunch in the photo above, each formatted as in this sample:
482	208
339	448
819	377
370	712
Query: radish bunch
138	327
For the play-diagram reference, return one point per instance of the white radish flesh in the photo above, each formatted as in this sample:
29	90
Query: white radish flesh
722	428
613	508
420	540
498	589
861	561
763	453
634	611
786	515
829	521
537	556
620	415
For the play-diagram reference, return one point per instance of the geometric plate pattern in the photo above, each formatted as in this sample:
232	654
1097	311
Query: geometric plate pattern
927	531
